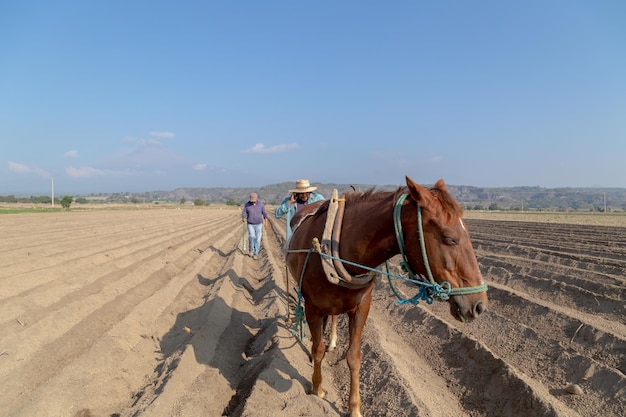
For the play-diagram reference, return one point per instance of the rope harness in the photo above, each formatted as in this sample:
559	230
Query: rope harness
428	290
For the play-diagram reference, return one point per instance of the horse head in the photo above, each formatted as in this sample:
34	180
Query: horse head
449	252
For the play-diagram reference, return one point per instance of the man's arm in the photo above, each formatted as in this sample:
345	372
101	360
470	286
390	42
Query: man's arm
283	209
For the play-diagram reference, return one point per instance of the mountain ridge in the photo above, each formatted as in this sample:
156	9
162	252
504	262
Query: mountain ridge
470	197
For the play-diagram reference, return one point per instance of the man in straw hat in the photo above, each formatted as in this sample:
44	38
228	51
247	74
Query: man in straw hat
300	196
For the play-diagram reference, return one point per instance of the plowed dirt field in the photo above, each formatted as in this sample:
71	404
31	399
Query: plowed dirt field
159	312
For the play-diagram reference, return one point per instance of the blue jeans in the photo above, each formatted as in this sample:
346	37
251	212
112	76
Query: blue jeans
255	233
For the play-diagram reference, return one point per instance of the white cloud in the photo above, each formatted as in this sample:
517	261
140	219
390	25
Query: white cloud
25	169
151	154
18	168
199	167
71	154
84	172
142	141
260	148
163	135
91	172
147	153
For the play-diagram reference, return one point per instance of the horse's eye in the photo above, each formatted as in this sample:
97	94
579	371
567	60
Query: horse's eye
450	241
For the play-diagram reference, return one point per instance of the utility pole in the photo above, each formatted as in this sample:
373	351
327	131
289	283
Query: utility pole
52	192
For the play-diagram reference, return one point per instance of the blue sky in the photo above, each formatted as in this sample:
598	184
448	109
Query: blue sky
116	96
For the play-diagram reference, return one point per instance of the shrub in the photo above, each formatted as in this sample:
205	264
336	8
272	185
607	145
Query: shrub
66	201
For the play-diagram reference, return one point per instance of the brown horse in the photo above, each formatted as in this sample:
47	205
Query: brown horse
439	246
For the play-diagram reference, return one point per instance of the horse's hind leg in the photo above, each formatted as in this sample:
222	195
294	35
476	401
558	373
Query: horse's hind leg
317	351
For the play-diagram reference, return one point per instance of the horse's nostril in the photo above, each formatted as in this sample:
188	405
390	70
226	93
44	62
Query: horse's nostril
478	309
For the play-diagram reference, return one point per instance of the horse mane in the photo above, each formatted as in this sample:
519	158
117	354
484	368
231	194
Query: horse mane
448	203
372	194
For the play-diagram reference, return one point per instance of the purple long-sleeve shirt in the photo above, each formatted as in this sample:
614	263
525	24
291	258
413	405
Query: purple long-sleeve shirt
254	212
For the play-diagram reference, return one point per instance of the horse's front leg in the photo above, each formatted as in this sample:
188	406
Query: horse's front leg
318	349
356	323
332	343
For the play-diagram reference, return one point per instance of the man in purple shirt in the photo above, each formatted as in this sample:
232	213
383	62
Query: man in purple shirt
256	216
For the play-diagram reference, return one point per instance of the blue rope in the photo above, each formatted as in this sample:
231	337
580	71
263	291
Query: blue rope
439	292
427	292
300	320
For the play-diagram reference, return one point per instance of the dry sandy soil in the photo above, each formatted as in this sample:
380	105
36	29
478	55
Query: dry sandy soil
158	312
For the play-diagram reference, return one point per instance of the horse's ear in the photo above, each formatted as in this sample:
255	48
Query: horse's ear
441	185
419	193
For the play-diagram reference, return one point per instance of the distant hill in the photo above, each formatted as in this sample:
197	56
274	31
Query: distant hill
471	197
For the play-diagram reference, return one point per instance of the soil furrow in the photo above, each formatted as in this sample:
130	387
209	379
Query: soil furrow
91	246
485	385
83	282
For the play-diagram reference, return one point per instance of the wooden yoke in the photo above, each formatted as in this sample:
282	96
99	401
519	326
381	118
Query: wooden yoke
327	263
333	267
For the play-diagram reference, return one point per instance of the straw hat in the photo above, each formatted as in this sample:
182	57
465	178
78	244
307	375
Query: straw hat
303	186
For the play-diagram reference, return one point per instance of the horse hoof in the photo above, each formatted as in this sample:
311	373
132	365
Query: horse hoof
355	412
319	393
